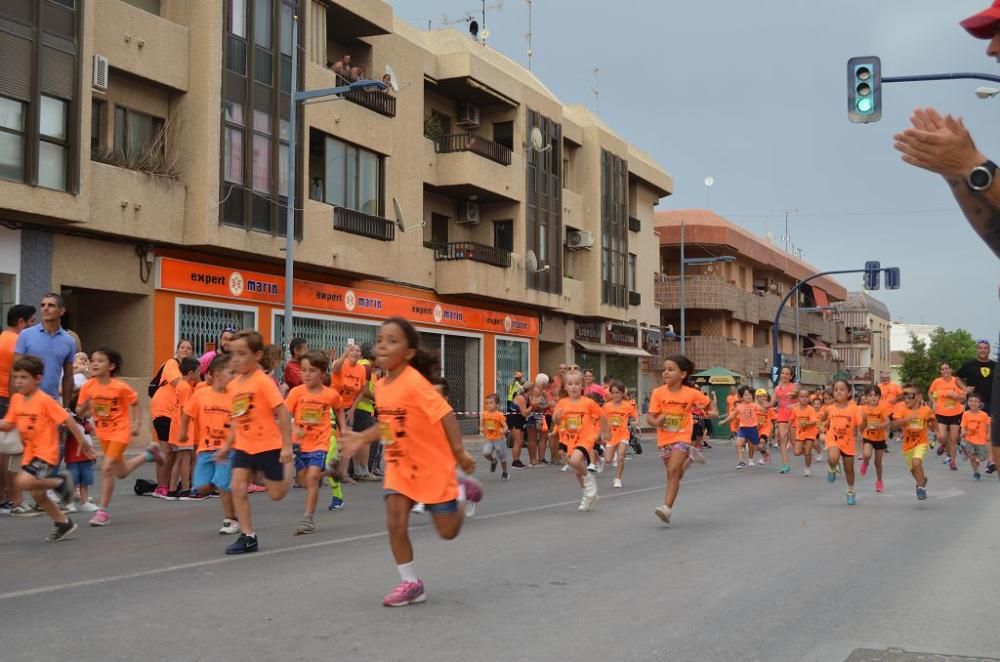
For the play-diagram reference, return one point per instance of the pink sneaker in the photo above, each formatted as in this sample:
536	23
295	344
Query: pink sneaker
254	487
879	486
473	489
864	468
101	518
405	593
160	492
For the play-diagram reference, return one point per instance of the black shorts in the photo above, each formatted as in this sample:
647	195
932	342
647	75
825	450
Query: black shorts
877	445
268	462
516	422
40	469
949	420
586	454
161	424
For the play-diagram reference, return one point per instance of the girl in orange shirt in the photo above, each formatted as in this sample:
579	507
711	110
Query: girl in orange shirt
620	413
581	424
670	408
423	445
842	418
948	394
875	417
805	427
765	424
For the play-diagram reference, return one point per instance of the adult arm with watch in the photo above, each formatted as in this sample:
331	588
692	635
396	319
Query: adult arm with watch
944	146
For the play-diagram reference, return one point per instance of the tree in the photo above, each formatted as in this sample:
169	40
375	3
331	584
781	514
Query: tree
922	363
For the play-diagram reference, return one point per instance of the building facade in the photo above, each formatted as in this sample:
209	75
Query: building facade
901	336
864	353
143	174
730	306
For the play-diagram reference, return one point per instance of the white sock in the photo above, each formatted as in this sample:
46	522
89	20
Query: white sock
250	534
407	572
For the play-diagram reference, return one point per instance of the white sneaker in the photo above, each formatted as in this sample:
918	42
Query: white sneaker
750	463
229	526
565	468
589	485
807	472
89	507
470	508
618	483
418	508
663	512
600	465
588	501
71	508
592	467
583	504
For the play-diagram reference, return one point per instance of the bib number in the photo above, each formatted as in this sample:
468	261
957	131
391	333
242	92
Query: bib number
673	423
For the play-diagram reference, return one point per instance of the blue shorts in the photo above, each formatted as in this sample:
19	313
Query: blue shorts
314	459
82	472
750	435
209	472
436	508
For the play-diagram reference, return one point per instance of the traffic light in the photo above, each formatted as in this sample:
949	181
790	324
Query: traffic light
873	271
864	89
892	278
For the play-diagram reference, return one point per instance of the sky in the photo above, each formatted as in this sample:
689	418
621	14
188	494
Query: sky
753	94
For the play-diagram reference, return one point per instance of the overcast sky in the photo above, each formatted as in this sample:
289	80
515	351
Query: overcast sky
754	94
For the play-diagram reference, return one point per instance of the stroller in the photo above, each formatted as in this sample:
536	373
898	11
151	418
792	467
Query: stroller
634	439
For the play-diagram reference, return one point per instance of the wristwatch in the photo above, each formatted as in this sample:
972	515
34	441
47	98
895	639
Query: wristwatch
981	177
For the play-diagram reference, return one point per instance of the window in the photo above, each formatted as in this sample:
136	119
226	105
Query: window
503	134
632	280
53	148
152	6
439	229
503	235
614	229
543	213
97	124
352	176
138	135
11	139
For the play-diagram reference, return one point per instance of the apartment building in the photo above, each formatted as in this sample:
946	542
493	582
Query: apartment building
865	352
730	306
143	152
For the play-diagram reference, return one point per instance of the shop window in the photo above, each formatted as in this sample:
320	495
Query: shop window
203	323
11	139
511	357
623	368
323	333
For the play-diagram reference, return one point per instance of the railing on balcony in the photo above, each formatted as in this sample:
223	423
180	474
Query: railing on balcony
381	102
634	224
468	250
467	142
366	225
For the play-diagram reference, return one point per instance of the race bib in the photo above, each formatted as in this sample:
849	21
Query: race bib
102	409
241	405
873	422
574	423
385	434
916	424
803	422
673	422
949	403
616	421
491	426
311	415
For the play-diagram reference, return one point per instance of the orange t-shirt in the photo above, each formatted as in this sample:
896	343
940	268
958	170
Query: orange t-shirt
746	414
493	422
164	401
915	431
765	421
945	401
8	341
843	423
38	419
201	385
209	412
731	400
618	416
873	420
801	418
578	422
419	463
311	413
976	424
254	399
890	392
349	382
110	408
677	424
184	391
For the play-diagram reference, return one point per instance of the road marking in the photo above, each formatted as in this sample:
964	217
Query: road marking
40	590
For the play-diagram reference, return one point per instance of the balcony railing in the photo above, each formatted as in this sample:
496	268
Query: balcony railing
467	142
467	250
366	225
381	102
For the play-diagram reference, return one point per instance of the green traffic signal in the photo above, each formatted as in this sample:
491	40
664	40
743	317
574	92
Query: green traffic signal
864	94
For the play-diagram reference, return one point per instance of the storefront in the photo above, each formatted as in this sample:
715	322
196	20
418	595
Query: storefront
480	349
613	349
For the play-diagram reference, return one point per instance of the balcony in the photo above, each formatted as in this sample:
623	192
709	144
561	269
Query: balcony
462	174
366	225
381	102
142	44
467	142
468	250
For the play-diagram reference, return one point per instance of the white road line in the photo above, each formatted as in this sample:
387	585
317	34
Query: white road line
297	548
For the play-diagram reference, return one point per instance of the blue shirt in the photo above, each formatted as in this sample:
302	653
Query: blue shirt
54	349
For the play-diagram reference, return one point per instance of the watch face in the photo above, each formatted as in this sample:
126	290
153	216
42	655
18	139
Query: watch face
979	178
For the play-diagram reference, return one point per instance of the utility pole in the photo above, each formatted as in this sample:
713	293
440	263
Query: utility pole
528	35
596	89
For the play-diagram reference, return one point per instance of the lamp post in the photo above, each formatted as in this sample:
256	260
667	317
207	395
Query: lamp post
692	261
299	96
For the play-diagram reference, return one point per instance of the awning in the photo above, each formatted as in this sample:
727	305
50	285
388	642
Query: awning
819	295
595	348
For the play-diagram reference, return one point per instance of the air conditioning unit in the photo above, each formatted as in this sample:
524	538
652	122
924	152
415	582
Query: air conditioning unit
100	72
468	213
579	239
468	115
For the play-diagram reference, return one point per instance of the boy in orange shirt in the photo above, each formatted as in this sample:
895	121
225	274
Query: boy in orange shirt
114	408
765	422
842	418
578	417
37	418
914	418
805	424
975	428
183	451
874	434
310	405
260	435
620	413
494	429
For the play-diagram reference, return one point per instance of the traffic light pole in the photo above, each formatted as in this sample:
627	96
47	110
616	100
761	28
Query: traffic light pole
922	77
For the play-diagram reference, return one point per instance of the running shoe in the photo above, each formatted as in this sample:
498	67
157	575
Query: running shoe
88	507
953	466
807	472
229	527
750	463
976	475
784	469
945	460
336	503
565	468
493	465
600	465
991	468
617	484
831	476
154	454
941	449
766	459
504	475
24	510
174	496
741	465
879	486
851	499
61	531
405	593
589	501
517	464
306	526
592	468
243	545
160	492
864	468
102	518
663	512
253	488
921	493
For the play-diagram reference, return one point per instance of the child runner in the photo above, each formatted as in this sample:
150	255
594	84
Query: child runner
207	416
261	434
843	418
37	418
620	413
310	405
423	445
784	396
976	433
114	408
915	419
734	423
874	435
765	424
183	453
670	413
81	469
161	412
494	429
744	414
805	424
581	423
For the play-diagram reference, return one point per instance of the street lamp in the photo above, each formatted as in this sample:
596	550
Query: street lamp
987	92
693	261
708	192
299	96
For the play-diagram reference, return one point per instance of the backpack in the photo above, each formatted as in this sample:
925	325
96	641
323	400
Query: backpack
154	383
143	487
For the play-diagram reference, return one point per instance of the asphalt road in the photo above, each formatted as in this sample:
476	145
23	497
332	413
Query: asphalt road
756	566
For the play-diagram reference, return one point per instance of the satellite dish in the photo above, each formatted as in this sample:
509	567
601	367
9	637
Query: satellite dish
399	218
537	140
392	78
531	263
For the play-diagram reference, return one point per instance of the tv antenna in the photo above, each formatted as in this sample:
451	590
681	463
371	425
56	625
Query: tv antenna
528	34
596	89
786	238
477	29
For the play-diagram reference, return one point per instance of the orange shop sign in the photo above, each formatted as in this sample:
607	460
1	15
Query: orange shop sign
210	280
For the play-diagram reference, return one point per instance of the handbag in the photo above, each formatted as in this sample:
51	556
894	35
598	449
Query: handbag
10	443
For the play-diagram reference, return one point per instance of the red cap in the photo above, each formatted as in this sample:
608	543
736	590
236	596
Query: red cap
984	24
